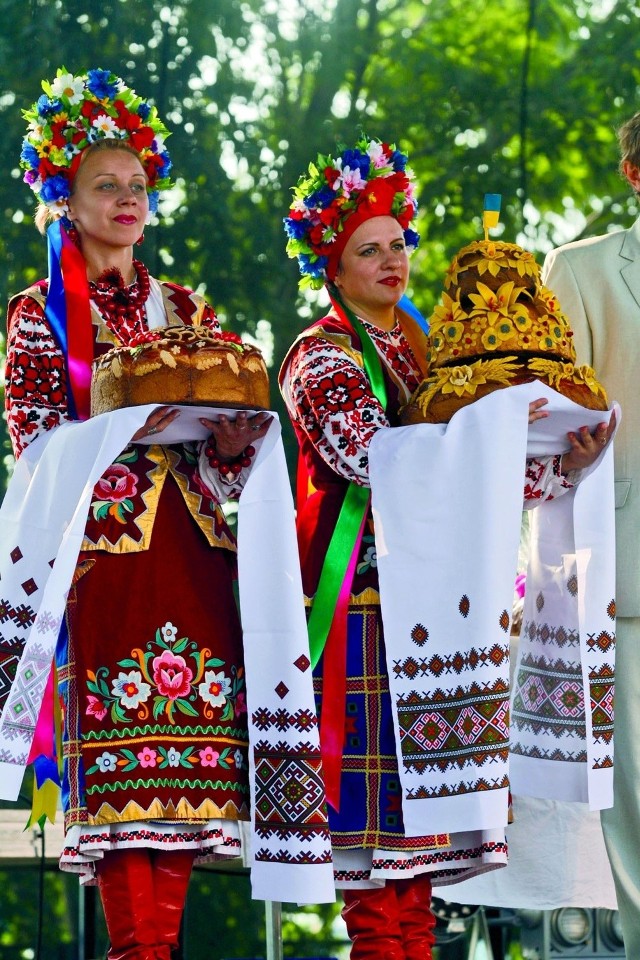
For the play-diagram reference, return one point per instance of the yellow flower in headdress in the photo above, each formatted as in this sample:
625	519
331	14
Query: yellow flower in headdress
549	299
553	335
494	336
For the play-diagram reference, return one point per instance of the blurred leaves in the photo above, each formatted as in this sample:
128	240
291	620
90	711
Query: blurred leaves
520	98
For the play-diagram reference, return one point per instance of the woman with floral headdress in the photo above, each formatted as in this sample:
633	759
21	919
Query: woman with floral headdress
345	377
149	665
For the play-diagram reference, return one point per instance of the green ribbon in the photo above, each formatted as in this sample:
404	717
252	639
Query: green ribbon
354	507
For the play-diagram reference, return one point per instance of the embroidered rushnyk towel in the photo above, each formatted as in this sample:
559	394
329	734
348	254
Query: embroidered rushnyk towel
41	529
447	503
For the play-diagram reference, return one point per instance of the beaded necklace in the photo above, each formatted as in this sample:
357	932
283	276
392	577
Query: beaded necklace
122	307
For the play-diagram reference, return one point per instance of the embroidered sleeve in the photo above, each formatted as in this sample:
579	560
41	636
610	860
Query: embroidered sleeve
223	484
330	398
544	480
209	318
36	389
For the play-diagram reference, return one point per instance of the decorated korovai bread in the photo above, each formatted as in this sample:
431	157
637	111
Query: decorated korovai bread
496	325
181	365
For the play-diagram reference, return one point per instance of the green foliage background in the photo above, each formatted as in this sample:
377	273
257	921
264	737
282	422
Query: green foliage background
520	97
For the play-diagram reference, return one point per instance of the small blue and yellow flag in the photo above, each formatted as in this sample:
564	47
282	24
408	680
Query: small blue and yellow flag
491	212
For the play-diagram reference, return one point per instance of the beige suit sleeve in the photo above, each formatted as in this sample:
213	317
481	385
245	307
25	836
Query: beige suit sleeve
559	277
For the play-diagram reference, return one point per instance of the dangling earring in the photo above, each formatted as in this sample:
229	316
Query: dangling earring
140	240
72	233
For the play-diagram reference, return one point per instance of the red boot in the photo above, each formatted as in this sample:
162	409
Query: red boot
171	873
416	919
125	881
372	920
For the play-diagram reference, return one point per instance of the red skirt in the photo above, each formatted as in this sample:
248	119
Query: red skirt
152	681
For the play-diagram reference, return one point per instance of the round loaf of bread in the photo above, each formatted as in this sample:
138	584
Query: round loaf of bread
181	365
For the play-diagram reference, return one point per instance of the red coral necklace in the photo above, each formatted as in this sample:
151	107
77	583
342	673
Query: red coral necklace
122	307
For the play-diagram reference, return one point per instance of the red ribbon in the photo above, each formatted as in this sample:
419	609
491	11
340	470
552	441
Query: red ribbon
334	685
79	327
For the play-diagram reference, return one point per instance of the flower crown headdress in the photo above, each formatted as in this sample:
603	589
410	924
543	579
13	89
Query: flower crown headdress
337	195
73	113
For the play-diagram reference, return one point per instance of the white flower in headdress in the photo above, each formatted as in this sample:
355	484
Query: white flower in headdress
377	154
35	131
106	126
68	86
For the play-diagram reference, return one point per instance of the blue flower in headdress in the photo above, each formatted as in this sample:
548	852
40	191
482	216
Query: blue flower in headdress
45	106
163	171
321	198
356	160
411	238
100	85
30	155
70	150
295	229
399	160
144	110
313	268
54	188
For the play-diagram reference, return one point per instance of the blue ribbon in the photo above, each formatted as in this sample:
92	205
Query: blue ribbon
55	308
409	307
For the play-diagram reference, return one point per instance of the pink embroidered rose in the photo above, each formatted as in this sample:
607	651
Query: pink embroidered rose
171	675
117	484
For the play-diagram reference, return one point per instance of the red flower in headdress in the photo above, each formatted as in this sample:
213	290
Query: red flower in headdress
142	139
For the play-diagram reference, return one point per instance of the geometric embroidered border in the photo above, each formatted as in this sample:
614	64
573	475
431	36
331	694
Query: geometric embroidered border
538	753
475	786
549	696
282	720
543	633
289	790
437	664
601	688
447	730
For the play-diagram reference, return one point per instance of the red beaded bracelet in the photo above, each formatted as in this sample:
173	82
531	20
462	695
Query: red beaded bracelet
228	469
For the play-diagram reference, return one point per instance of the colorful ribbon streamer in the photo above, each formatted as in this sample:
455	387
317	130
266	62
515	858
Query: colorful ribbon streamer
328	618
68	311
